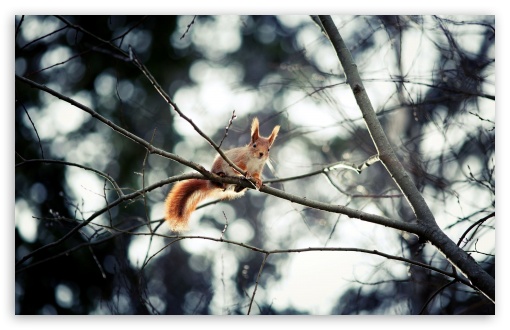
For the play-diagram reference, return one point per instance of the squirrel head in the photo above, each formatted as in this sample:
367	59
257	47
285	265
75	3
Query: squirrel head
261	144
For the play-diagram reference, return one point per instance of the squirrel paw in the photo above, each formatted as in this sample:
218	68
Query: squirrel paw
258	182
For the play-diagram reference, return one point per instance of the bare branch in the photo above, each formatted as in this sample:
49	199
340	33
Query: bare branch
257	282
383	146
333	167
61	162
482	280
115	127
19	26
168	100
224	228
97	262
35	129
83	230
477	223
143	186
438	291
44	36
188	27
176	238
228	127
118	201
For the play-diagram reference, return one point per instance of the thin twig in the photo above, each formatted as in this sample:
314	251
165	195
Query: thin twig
440	87
118	201
61	162
435	294
92	35
477	223
57	64
77	247
352	213
329	168
228	127
131	55
257	282
458	257
124	34
143	185
35	129
106	202
117	128
170	102
146	262
260	250
18	27
224	228
188	27
44	36
97	262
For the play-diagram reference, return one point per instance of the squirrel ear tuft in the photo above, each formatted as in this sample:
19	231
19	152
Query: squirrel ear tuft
254	129
273	135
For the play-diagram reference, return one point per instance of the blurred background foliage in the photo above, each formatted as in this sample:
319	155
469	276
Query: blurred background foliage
432	82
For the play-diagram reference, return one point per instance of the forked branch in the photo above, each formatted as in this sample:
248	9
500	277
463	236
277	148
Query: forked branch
431	231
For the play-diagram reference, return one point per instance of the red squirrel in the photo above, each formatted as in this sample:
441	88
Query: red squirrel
185	195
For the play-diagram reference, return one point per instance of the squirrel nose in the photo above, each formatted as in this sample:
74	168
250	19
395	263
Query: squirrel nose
261	154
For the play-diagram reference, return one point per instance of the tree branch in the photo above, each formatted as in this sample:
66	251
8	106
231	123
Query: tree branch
477	223
170	102
466	264
60	162
158	88
257	282
381	142
176	238
115	127
118	201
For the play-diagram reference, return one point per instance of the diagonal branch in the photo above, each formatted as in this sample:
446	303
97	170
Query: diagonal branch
477	223
175	238
386	154
257	282
115	127
121	199
61	162
352	213
335	166
170	102
431	231
35	129
150	77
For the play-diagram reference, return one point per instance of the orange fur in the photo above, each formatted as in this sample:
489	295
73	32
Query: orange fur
183	200
185	196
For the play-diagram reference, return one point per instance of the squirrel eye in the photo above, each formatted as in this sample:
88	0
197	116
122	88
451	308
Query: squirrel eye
254	145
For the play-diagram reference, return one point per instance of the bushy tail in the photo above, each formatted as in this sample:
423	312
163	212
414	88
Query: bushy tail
183	200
